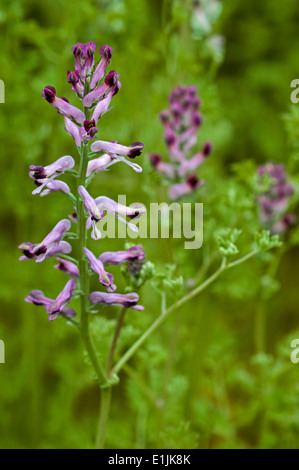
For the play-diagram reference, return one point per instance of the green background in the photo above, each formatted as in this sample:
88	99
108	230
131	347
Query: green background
218	392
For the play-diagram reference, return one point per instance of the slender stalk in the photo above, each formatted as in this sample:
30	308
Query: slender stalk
104	414
224	266
114	341
83	268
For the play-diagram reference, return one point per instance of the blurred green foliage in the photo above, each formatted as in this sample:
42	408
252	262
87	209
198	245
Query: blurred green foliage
218	374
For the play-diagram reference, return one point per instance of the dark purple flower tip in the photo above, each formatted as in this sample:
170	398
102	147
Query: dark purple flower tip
78	48
192	90
289	219
64	99
37	172
89	124
192	180
136	149
207	148
176	109
165	116
176	94
116	88
106	51
89	49
155	159
49	93
196	118
111	78
285	190
196	103
41	250
169	138
187	102
73	77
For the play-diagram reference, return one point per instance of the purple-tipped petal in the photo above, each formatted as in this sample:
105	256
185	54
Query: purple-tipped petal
62	105
90	204
165	169
135	253
114	148
37	297
106	54
84	58
118	300
97	266
67	267
102	91
183	189
51	240
62	299
43	175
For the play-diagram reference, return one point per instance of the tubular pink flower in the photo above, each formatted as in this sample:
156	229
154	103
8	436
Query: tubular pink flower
183	189
118	257
88	131
97	266
43	175
274	202
166	169
114	148
120	211
37	297
54	187
41	250
62	105
95	214
98	164
118	300
193	163
72	129
90	204
103	106
67	267
172	143
74	79
106	54
27	247
62	298
102	91
84	58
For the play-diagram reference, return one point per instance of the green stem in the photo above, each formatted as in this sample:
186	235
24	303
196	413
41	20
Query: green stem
224	266
114	341
104	414
83	270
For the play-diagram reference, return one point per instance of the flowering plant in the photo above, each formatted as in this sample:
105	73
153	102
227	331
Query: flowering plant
95	89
